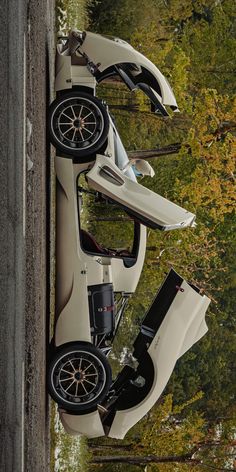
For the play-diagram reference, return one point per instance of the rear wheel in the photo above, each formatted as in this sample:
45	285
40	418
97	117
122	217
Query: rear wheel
78	124
79	377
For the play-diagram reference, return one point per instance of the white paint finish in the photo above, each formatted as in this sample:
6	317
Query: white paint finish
68	75
197	329
73	322
81	76
76	270
182	326
71	272
126	279
138	198
63	77
89	424
107	53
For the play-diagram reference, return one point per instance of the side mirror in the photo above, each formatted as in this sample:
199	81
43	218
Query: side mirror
142	167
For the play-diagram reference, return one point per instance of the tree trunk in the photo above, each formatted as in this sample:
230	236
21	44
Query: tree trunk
118	218
152	459
158	152
109	446
138	460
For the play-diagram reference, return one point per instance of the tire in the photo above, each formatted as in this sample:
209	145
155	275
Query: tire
78	124
89	381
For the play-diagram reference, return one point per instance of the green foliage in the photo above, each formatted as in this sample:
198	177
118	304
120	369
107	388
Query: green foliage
211	47
112	18
193	44
71	14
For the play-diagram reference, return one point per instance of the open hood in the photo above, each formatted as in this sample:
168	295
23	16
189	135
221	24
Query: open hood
147	207
113	56
174	322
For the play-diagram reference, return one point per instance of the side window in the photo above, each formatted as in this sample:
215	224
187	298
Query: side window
105	228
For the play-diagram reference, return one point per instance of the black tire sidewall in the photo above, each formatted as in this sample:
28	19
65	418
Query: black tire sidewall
91	151
65	350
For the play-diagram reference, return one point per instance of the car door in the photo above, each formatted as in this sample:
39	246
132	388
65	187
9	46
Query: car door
142	204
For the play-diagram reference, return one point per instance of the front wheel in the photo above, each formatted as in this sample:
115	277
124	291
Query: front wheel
79	377
78	124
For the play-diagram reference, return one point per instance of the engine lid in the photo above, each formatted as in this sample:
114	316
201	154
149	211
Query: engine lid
174	322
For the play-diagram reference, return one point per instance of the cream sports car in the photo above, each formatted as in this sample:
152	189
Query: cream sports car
95	282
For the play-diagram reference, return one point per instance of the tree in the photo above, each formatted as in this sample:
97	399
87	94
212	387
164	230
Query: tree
192	42
172	435
184	459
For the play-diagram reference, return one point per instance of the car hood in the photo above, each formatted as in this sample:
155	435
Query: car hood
115	56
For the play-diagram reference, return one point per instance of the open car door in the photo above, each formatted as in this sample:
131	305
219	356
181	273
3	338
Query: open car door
113	56
174	322
144	205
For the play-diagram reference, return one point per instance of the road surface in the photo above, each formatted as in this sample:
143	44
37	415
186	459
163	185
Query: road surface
26	52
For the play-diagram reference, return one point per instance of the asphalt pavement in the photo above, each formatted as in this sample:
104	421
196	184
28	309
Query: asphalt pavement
26	51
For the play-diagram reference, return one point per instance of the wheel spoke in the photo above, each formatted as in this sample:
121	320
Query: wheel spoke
66	123
73	111
70	385
76	390
90	123
81	134
72	366
90	113
91	383
91	375
87	367
67	131
66	380
86	129
86	391
67	371
80	111
74	135
63	113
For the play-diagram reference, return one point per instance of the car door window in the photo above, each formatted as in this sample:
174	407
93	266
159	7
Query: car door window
105	228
